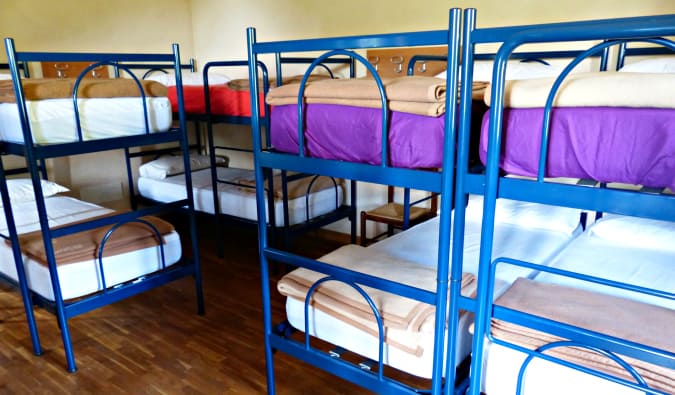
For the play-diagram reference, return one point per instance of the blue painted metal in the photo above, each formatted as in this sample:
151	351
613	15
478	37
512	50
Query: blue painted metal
439	182
20	270
288	230
35	155
373	308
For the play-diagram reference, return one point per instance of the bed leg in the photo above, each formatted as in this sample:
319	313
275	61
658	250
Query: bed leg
67	345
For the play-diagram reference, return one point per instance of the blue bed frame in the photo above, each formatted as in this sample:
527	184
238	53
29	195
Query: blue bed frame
288	230
36	153
492	185
439	182
341	211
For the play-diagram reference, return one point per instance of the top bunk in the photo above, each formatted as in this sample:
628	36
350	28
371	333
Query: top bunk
299	146
595	141
215	95
608	128
91	114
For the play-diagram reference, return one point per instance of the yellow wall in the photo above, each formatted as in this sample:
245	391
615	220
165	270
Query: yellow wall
94	25
219	25
121	25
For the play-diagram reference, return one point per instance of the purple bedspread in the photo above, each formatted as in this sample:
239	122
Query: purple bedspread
354	134
609	144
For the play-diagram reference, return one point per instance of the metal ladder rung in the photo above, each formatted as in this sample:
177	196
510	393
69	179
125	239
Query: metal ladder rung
337	352
368	364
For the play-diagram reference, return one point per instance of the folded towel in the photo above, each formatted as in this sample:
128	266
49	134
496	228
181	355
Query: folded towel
405	320
411	94
606	89
84	246
296	188
62	88
614	316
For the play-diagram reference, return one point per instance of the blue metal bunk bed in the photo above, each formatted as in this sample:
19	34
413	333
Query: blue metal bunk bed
382	173
341	211
231	179
36	152
647	203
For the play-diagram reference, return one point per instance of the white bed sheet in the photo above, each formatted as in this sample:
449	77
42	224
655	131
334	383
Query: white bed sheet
233	201
80	278
419	245
588	254
53	121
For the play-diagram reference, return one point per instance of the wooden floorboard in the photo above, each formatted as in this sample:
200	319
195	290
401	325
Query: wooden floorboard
155	343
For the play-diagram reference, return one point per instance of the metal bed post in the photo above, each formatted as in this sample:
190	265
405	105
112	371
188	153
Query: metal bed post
185	145
18	260
262	220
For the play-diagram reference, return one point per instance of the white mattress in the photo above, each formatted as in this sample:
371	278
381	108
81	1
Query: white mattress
617	260
233	201
419	245
53	121
81	278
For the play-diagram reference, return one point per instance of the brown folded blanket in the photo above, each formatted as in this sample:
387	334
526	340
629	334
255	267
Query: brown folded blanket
296	188
242	84
412	94
404	319
62	88
84	246
622	318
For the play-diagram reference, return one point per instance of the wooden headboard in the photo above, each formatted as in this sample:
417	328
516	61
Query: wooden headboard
71	70
393	62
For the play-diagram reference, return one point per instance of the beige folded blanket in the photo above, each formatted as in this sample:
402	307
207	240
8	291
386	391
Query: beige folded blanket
296	188
405	320
618	317
412	94
62	88
83	246
242	84
607	89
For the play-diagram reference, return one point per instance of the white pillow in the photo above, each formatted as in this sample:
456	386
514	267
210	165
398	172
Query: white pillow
635	232
538	216
167	165
21	189
664	64
189	78
529	215
515	70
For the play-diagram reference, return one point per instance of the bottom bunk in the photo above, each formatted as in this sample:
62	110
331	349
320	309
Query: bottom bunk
626	250
78	267
338	315
95	256
237	194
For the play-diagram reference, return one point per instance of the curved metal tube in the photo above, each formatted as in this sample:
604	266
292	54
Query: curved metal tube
376	313
109	233
92	66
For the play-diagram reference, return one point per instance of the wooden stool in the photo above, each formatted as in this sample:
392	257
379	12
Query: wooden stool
394	214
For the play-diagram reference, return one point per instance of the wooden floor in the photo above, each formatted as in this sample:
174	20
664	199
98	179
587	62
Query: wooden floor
155	343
